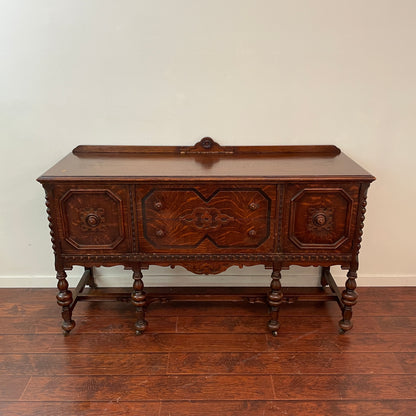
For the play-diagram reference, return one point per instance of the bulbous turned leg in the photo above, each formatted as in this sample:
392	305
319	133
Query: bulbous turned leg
349	299
64	299
138	298
275	298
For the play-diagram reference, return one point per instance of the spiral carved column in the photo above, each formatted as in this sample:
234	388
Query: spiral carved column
138	298
349	299
64	299
275	298
349	295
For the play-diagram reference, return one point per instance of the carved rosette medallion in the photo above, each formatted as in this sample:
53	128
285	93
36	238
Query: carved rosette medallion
320	220
92	219
203	218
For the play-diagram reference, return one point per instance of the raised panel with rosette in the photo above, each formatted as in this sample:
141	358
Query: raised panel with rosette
186	218
95	219
320	217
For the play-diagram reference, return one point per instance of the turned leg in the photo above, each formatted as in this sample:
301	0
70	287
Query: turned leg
64	298
138	298
91	281
275	298
349	299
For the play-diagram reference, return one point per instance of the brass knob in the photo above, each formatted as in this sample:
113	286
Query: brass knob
253	206
252	233
158	205
160	233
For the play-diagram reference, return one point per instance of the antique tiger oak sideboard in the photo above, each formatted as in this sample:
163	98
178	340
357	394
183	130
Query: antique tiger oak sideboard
206	207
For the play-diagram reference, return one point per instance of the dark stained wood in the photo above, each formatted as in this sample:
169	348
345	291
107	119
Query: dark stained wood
285	363
72	408
144	388
44	364
12	386
206	208
346	387
290	408
204	408
84	343
218	370
238	163
14	297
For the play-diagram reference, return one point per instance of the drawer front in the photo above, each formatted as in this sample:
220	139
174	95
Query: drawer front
319	217
210	218
94	219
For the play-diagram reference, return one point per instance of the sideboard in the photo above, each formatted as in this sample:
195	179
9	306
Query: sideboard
206	207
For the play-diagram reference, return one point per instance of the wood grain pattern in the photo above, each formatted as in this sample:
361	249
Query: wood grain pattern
141	388
284	363
12	386
43	364
74	408
290	408
218	370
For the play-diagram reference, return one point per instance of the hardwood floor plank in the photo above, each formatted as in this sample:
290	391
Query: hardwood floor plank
349	342
345	387
148	342
12	386
148	388
382	293
293	324
11	309
83	364
407	361
284	363
124	343
206	324
27	343
289	408
206	358
73	408
21	295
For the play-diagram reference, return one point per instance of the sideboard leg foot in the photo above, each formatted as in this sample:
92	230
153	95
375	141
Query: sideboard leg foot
349	299
64	299
275	298
138	298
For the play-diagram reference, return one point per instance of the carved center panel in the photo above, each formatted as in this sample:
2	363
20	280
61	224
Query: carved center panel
186	218
206	218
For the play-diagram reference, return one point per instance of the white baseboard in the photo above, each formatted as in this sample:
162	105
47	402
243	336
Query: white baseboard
124	280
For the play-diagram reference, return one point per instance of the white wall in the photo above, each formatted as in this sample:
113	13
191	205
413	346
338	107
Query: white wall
242	71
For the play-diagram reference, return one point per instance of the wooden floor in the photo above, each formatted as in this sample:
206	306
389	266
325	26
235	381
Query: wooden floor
208	358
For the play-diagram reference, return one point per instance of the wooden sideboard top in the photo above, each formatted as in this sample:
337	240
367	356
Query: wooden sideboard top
206	160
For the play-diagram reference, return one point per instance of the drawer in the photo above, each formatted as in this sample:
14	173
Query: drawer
319	217
94	218
206	218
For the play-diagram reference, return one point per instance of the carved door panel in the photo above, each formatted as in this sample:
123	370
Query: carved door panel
213	219
319	217
95	218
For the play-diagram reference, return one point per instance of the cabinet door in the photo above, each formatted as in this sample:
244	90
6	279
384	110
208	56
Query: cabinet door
94	219
319	217
206	219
